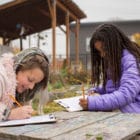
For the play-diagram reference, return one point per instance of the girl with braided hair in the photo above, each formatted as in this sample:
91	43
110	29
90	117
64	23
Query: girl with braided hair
115	64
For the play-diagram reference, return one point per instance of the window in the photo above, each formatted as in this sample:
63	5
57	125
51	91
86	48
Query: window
88	44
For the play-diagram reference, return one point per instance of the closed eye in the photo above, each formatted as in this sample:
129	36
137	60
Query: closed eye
30	80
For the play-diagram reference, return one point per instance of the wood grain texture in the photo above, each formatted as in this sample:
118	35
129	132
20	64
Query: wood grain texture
67	122
79	126
118	127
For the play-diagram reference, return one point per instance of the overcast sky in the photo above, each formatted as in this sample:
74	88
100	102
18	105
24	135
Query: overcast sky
104	10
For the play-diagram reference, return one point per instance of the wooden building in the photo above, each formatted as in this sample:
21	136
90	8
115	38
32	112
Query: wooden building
19	18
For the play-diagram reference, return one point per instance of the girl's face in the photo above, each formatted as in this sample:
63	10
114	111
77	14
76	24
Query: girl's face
28	78
99	47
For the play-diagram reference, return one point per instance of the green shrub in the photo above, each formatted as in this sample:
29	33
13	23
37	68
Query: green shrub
57	85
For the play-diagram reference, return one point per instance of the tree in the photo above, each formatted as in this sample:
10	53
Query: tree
136	38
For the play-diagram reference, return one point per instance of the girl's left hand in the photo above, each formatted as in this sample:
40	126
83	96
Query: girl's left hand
83	103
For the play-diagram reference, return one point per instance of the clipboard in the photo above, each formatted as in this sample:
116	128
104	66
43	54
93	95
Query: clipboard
49	118
70	104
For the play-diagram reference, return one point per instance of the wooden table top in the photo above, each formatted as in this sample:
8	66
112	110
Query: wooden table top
82	125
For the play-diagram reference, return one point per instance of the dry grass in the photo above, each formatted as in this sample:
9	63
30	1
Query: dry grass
52	106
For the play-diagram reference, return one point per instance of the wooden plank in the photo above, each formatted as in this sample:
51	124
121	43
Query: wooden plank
12	4
59	4
118	127
12	133
67	121
15	131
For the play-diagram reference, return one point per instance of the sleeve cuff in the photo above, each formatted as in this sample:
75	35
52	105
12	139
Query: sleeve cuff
91	104
6	114
93	89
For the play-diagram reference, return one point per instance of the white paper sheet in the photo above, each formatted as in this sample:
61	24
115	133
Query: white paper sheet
71	104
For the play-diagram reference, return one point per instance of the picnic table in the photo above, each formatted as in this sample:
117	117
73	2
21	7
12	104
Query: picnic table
82	125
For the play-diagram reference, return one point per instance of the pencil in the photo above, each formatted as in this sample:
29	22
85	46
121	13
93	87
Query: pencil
83	91
14	99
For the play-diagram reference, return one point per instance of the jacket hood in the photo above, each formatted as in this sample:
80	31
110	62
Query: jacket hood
18	59
25	54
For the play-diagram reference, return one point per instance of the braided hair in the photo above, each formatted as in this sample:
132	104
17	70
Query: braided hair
114	42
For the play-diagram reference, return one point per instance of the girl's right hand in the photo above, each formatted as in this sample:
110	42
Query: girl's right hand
83	103
23	112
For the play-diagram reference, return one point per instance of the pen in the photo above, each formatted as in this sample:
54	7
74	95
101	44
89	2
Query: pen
14	99
83	92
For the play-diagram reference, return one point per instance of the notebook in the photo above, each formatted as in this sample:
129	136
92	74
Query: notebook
49	118
70	104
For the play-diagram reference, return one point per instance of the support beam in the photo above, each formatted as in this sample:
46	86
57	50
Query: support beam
54	34
67	39
44	12
77	41
62	29
65	9
21	44
10	4
50	8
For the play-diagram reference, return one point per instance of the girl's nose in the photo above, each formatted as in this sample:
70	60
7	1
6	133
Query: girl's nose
31	85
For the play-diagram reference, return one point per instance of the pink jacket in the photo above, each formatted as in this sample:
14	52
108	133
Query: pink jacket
7	85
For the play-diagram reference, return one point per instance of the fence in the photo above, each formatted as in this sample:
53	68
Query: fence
84	61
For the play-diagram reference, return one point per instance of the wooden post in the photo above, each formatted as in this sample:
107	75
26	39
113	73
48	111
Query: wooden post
3	40
77	41
21	44
54	34
67	39
52	8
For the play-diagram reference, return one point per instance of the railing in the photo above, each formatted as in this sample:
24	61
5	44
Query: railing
84	62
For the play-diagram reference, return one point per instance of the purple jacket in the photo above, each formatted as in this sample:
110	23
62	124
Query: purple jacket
126	96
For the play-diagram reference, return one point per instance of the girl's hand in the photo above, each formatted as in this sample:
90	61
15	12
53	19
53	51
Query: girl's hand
23	112
83	103
91	92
